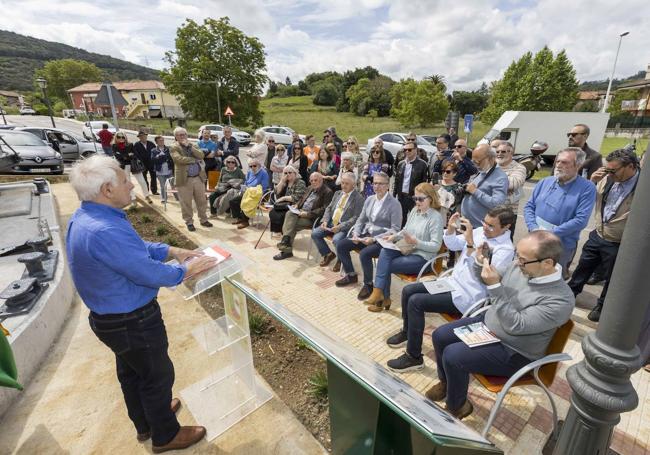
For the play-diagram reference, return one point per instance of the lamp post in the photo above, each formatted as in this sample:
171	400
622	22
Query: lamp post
42	83
609	86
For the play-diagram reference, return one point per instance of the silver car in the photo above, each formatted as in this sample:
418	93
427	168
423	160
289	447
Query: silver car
70	145
35	155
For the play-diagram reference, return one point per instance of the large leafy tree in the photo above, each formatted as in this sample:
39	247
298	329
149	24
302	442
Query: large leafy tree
418	103
371	94
217	53
62	75
468	102
534	83
349	79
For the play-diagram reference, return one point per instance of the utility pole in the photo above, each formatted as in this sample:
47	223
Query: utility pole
609	86
601	384
218	101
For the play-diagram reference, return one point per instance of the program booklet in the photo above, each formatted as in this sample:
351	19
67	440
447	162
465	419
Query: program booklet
476	334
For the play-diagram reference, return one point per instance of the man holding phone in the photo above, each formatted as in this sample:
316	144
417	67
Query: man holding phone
467	288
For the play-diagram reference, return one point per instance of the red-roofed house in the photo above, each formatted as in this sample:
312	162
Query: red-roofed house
147	99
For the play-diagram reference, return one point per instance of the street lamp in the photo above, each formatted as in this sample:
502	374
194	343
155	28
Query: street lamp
609	87
42	83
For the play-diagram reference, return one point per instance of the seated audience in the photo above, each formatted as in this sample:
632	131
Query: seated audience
487	189
421	238
255	176
310	207
326	166
390	159
465	167
449	184
340	215
347	165
410	172
230	181
529	302
288	191
467	287
381	213
359	158
376	163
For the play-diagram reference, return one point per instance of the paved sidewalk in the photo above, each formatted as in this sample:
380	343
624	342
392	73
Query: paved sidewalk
525	420
74	403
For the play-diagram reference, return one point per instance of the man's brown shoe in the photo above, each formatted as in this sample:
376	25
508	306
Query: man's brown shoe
175	406
337	266
329	257
244	224
236	221
437	392
462	412
185	437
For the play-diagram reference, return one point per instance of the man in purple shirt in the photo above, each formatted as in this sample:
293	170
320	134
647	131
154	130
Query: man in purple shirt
118	275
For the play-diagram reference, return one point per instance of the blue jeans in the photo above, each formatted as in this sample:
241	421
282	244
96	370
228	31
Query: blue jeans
108	150
416	301
162	179
343	249
318	236
393	261
456	360
146	373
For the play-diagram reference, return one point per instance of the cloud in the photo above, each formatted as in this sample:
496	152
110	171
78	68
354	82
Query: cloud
466	41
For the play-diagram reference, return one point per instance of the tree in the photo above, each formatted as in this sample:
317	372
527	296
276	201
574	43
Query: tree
468	102
349	79
418	103
216	53
287	81
370	94
62	75
615	102
325	93
438	79
273	89
534	83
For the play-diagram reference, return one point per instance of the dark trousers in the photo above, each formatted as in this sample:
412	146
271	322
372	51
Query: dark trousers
407	204
416	301
596	253
146	373
276	217
343	249
456	361
235	208
151	180
512	228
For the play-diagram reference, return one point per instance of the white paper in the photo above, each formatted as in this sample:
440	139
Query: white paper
386	244
544	225
212	253
293	209
438	286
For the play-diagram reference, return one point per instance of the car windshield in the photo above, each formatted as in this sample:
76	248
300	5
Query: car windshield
421	141
213	127
289	129
99	125
22	139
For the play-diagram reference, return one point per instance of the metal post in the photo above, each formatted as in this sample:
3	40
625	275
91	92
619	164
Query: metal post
609	86
49	106
110	100
601	382
3	113
218	101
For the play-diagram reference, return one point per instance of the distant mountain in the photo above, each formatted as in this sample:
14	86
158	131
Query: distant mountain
21	55
602	85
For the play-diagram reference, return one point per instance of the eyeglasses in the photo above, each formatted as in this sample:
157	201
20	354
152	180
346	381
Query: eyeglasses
270	141
410	139
448	171
376	152
379	183
409	149
331	150
231	162
522	262
505	152
613	171
287	173
458	146
253	166
574	134
350	143
420	198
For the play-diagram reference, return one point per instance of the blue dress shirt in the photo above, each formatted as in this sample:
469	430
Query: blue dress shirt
113	269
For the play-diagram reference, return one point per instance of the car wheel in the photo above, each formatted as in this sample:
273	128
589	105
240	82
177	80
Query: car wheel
87	155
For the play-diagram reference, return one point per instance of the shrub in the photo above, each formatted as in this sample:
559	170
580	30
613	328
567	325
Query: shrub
146	219
318	386
162	230
257	323
171	241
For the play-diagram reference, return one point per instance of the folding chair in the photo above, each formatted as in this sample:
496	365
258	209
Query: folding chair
432	268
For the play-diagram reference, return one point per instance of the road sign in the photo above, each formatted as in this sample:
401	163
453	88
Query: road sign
469	123
228	112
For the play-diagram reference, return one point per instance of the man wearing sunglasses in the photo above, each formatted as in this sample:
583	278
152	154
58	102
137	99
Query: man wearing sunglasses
615	186
464	163
577	137
411	171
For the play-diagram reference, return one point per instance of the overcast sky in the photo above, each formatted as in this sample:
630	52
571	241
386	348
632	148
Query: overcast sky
466	41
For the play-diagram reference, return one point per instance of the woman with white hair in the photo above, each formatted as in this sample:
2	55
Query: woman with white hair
348	164
255	176
259	149
288	191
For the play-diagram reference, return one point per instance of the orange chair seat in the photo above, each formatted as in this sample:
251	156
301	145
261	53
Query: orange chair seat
450	317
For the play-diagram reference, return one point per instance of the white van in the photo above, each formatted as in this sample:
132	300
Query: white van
522	128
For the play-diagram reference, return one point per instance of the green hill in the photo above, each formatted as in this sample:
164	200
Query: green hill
21	55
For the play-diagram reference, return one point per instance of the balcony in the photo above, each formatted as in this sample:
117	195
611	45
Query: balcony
634	105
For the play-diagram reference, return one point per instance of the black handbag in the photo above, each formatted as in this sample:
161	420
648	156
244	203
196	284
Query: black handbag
137	166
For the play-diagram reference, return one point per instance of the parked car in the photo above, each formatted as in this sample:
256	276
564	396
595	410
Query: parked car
27	110
70	145
430	139
242	136
36	156
281	134
91	129
393	142
71	113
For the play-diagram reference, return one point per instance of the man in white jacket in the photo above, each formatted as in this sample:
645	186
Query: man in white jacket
516	174
467	288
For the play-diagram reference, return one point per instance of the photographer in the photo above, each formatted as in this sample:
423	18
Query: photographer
487	189
492	237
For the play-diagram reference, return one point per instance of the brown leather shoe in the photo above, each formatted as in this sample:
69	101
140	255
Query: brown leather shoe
347	279
175	406
329	257
437	392
462	412
185	437
236	221
244	224
365	292
337	266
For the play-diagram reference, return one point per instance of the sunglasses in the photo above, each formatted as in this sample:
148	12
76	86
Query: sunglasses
459	146
613	171
420	198
409	149
574	134
410	139
376	152
253	166
287	173
448	171
270	141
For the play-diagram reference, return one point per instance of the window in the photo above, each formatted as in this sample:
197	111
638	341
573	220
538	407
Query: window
64	138
152	96
386	137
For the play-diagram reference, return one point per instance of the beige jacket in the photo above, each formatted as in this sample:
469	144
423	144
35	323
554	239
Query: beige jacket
181	161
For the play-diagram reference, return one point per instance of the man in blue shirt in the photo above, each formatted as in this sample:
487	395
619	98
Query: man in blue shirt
210	148
118	275
562	203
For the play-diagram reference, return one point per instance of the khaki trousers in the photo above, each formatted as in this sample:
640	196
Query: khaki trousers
292	224
193	190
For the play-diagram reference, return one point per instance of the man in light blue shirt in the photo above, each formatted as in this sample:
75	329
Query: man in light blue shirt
118	275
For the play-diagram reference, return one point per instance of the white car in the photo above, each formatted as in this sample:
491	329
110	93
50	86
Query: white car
69	144
91	129
281	134
242	137
394	142
26	110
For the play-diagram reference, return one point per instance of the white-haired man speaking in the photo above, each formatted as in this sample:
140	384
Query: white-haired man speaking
118	275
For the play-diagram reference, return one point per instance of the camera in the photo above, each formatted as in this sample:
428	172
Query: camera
464	188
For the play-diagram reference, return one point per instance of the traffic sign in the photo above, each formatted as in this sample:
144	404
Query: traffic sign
228	112
469	123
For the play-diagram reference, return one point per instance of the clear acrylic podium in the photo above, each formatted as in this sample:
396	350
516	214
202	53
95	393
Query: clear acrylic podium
232	391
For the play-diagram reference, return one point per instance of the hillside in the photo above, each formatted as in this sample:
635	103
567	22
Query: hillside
21	55
602	85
